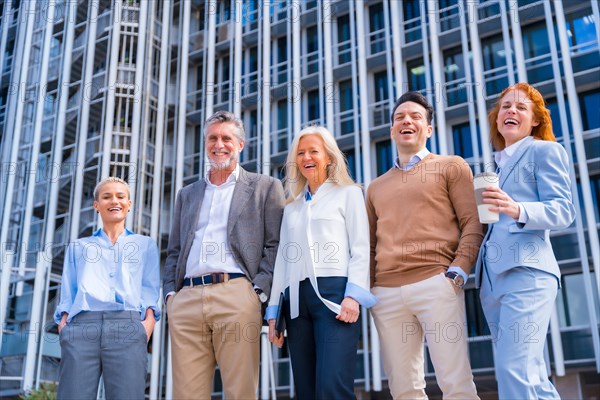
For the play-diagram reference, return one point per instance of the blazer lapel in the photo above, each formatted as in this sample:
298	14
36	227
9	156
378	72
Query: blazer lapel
194	204
514	160
241	193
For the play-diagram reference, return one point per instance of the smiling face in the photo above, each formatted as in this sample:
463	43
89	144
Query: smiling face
515	117
222	146
113	202
410	129
312	160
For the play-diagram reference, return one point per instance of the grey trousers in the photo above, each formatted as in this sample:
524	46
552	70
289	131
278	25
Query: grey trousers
108	343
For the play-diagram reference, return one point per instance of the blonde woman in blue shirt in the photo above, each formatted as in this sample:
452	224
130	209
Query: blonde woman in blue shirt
322	267
108	304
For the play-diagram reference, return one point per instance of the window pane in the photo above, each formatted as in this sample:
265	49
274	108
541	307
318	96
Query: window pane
416	74
590	104
463	146
384	156
572	301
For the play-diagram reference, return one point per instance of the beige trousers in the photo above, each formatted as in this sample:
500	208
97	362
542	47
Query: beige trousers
215	325
429	309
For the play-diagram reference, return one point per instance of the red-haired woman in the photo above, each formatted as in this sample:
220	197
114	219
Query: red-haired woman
516	268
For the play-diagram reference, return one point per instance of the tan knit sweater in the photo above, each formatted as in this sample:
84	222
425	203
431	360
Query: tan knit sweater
422	221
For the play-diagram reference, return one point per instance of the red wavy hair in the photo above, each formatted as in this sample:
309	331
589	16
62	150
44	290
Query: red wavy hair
541	132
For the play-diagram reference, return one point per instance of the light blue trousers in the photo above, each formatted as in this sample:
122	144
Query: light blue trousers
517	305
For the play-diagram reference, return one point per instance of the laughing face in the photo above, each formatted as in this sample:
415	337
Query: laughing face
515	117
312	160
222	146
113	202
410	129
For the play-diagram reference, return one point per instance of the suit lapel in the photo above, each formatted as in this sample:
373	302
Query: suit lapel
241	194
514	160
194	204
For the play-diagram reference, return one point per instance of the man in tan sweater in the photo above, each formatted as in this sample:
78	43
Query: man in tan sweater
425	235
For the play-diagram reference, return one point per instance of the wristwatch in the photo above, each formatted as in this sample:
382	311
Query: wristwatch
456	279
262	296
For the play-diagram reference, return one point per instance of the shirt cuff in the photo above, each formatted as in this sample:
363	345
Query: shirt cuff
459	271
271	312
58	313
523	217
363	296
156	313
167	296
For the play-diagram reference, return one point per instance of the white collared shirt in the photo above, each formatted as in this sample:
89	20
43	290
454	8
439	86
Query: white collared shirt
413	160
502	158
210	251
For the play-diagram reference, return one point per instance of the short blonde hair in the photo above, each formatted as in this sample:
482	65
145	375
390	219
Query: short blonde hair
337	171
110	179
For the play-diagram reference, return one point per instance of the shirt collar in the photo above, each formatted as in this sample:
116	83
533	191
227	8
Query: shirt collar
308	196
507	152
100	233
233	177
421	154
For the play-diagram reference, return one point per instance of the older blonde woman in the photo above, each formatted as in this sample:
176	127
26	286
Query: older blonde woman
322	267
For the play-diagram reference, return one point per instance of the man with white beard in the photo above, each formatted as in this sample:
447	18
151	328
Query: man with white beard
218	272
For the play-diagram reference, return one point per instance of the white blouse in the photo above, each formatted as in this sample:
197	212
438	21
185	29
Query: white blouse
327	236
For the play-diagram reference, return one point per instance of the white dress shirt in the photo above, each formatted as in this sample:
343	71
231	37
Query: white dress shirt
210	251
502	158
326	236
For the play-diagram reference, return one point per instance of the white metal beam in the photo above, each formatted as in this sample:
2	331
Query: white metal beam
265	168
135	166
183	80
295	15
479	87
209	84
82	132
18	127
109	121
365	134
328	11
438	79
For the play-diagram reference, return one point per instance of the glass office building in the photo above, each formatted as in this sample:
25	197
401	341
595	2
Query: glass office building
91	88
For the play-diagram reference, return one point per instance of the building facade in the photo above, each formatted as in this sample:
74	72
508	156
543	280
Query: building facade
122	87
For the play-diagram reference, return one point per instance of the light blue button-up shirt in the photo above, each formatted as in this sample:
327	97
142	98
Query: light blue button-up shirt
100	276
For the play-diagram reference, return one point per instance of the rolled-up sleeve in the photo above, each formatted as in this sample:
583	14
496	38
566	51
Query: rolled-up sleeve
68	288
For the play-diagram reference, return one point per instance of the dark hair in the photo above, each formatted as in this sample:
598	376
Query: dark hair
415	97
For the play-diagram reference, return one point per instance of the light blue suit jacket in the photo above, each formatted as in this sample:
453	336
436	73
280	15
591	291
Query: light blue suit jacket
537	176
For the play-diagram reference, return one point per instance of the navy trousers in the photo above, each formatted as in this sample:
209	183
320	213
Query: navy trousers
322	349
107	343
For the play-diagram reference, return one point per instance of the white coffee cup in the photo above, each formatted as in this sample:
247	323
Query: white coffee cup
480	182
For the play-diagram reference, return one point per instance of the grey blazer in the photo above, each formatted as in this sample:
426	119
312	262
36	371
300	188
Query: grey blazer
252	228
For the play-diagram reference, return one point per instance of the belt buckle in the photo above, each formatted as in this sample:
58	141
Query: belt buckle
205	283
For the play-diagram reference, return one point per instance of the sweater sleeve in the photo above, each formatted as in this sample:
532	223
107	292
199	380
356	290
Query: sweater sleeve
372	218
460	190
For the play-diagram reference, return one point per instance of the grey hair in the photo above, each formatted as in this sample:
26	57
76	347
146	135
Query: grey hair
225	116
110	179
